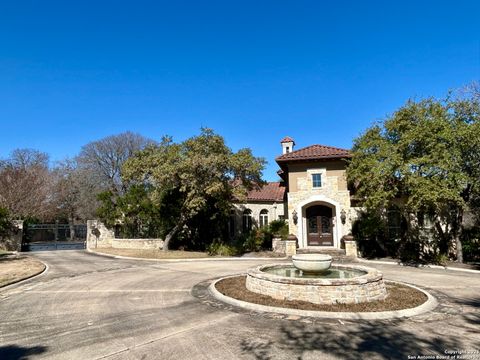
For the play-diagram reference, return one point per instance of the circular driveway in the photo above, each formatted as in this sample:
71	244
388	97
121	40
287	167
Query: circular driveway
92	307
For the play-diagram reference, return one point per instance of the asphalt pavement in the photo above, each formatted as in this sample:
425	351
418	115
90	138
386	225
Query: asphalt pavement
91	307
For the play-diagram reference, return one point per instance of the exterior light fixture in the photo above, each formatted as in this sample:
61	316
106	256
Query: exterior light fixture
294	217
343	216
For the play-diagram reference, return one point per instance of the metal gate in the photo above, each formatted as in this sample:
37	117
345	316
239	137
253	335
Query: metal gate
38	237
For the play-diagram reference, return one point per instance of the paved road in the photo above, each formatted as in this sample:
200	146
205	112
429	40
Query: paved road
91	307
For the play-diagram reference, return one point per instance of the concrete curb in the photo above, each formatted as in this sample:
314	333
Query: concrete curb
420	266
26	279
185	260
427	306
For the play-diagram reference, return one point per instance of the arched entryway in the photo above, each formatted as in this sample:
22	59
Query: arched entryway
319	225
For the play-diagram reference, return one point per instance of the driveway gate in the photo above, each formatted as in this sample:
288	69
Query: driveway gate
37	237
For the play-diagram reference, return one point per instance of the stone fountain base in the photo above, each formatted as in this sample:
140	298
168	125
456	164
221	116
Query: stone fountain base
365	288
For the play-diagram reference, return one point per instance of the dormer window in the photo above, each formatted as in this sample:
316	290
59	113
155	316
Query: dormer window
317	180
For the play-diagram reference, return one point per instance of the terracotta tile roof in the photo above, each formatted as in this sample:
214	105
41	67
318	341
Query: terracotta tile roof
272	191
314	152
287	139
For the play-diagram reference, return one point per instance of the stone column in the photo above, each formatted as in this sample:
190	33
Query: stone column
98	235
291	245
278	245
13	241
350	246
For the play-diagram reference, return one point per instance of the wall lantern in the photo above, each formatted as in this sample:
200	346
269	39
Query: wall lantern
294	217
343	216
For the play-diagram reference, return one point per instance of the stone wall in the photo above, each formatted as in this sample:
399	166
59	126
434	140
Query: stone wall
141	244
99	236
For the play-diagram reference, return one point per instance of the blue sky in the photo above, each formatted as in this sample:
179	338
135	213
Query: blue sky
254	71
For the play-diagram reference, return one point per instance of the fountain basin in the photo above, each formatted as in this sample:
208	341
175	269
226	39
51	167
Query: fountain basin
362	284
312	263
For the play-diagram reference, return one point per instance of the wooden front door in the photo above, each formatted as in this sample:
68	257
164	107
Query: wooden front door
319	226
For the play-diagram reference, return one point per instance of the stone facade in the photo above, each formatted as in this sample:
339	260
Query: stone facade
332	193
366	288
276	210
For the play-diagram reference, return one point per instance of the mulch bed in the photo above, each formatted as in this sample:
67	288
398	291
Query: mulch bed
399	297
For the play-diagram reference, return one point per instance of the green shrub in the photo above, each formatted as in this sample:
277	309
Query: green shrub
279	227
221	249
5	224
471	244
371	233
253	241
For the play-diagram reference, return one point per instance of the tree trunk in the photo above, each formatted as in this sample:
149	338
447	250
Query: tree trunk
170	235
443	244
458	235
458	244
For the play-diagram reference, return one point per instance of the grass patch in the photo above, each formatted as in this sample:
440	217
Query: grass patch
4	253
399	297
16	268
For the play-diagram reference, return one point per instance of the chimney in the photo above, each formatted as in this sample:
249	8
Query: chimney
287	145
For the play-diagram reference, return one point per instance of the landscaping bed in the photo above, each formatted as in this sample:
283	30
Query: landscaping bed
14	268
399	297
176	254
153	254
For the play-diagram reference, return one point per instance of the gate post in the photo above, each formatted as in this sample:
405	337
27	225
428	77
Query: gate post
13	240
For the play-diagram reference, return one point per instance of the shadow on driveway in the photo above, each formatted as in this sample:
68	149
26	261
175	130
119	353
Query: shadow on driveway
362	341
14	352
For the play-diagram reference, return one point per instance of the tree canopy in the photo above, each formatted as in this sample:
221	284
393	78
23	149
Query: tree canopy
103	159
425	158
199	176
25	184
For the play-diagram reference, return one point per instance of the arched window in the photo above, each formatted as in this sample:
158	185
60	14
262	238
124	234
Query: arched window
263	219
247	220
231	224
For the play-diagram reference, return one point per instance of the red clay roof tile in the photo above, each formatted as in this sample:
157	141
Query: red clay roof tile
272	191
315	152
287	139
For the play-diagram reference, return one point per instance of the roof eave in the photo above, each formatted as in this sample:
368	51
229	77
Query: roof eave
332	157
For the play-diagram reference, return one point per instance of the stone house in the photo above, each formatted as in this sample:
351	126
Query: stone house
312	196
263	205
